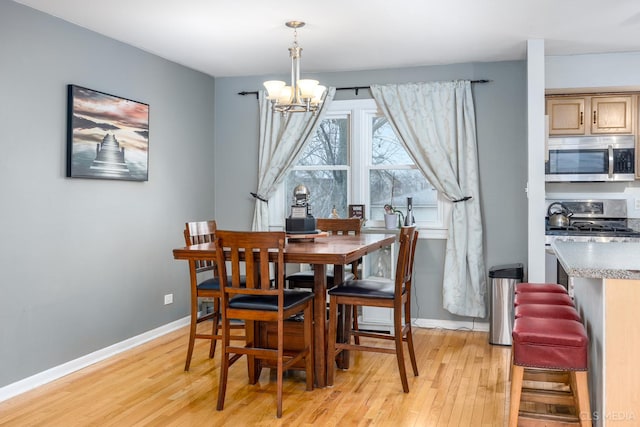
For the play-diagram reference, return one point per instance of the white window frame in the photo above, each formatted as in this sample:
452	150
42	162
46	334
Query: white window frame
361	112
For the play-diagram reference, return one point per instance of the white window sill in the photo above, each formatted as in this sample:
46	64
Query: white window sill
425	233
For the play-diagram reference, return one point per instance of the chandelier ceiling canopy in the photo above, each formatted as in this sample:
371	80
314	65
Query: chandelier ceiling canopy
302	95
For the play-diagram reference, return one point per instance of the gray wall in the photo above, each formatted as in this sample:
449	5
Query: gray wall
502	141
84	263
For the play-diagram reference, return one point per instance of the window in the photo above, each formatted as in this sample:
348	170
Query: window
355	158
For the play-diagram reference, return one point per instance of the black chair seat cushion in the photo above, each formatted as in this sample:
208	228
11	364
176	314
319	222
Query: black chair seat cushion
213	284
269	302
366	288
306	277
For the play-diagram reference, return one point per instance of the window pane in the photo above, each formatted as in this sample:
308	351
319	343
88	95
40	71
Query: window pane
386	149
327	188
329	145
402	183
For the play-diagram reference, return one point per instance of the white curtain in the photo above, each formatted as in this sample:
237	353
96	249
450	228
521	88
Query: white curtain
436	123
282	138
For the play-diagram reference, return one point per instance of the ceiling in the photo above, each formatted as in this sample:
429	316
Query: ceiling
248	37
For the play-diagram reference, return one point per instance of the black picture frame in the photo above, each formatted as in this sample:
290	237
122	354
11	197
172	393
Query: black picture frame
107	136
356	211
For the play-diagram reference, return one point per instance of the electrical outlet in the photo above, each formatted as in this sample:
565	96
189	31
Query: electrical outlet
637	206
168	299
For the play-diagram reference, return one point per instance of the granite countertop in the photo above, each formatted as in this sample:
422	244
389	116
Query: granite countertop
599	260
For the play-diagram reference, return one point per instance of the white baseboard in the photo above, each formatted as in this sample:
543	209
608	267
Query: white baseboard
455	325
67	368
477	326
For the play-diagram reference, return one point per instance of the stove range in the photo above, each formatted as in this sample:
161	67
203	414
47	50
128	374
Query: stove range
593	221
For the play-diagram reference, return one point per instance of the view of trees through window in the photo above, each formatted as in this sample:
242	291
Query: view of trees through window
393	176
386	173
323	169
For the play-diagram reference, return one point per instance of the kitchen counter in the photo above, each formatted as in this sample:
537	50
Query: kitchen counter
599	260
605	279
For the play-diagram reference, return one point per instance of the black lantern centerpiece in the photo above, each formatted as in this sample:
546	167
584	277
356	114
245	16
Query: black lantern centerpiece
300	221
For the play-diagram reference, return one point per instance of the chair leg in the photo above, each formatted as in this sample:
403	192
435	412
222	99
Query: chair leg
192	334
517	375
331	339
356	338
412	353
581	396
279	390
308	339
224	366
254	366
397	330
280	369
216	323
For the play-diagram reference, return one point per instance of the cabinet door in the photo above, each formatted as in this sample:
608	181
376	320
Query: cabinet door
637	159
611	114
566	116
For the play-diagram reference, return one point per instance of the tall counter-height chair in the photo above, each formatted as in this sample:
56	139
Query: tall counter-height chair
304	279
195	233
260	300
395	294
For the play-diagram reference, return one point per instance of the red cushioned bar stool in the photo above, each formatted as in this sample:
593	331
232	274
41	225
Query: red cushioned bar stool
540	287
547	311
542	298
556	346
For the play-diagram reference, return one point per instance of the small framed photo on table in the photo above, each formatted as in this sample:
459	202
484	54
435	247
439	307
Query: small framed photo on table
356	211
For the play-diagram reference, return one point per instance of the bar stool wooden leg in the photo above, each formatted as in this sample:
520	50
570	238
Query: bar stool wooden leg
581	395
517	376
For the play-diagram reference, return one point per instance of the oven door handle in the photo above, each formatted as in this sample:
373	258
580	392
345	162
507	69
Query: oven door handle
610	161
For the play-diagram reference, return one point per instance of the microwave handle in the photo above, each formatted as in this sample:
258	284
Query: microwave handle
610	161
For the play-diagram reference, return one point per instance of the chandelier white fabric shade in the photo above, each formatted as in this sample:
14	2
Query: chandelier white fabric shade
302	95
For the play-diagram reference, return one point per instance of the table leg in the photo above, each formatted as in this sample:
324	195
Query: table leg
320	323
344	321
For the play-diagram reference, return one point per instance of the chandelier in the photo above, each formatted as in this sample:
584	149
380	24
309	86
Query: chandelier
303	95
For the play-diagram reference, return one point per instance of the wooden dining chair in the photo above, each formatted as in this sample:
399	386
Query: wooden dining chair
394	294
195	233
261	299
304	279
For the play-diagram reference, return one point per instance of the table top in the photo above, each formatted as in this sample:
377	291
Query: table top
334	249
611	260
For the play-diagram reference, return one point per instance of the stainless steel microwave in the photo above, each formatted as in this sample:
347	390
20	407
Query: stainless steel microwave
591	158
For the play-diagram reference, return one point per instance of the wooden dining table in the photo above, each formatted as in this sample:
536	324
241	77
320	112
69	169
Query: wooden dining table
337	250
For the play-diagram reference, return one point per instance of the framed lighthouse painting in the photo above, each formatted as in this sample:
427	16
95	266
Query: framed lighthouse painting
107	136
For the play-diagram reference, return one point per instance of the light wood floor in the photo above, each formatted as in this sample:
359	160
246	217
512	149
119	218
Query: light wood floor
463	382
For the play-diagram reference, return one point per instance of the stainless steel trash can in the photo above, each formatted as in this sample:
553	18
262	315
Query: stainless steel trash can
503	280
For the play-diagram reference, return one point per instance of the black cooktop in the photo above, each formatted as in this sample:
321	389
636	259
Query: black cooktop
593	228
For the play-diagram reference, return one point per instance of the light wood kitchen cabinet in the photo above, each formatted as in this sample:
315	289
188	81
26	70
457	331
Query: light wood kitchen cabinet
591	114
611	114
637	158
566	116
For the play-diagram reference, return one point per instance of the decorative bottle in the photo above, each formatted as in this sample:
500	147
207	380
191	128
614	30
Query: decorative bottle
408	219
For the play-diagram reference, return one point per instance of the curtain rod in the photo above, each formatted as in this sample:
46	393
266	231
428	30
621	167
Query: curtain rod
356	88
